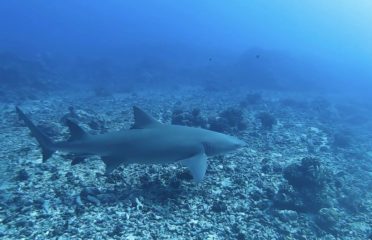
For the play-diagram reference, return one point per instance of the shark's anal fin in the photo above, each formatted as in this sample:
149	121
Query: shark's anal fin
111	163
197	165
142	119
76	131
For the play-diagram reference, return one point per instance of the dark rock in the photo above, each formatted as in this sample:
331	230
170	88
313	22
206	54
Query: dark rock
96	124
184	175
307	175
192	118
230	120
293	103
48	129
22	175
327	218
90	191
251	99
145	180
288	198
24	223
342	140
117	231
256	195
241	236
27	232
55	176
59	230
263	204
267	120
218	207
102	92
287	215
175	183
93	200
324	149
70	177
277	168
39	202
351	201
79	210
106	198
308	190
90	194
266	168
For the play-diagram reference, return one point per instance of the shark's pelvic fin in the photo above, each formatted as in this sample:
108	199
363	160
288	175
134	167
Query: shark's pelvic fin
77	133
111	163
45	143
197	165
142	119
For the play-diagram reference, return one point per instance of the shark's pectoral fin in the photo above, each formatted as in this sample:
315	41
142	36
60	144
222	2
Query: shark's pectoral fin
111	163
197	165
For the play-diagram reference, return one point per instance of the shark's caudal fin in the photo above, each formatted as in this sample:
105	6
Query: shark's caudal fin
45	143
142	119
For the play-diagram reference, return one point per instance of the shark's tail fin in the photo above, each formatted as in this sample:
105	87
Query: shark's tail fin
45	143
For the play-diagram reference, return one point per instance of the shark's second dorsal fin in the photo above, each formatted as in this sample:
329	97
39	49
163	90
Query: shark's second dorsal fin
142	119
76	131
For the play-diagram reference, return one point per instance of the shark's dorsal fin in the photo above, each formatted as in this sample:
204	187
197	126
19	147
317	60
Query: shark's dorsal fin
77	133
142	119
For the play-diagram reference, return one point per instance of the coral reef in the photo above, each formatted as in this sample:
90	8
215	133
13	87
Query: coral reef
251	99
192	118
307	189
267	120
270	189
230	120
24	79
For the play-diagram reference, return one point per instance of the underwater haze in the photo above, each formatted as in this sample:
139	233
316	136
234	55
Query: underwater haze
292	80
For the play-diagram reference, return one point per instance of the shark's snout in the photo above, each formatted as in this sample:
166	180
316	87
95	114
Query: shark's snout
239	144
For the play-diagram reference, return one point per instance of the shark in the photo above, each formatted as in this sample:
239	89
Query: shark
148	141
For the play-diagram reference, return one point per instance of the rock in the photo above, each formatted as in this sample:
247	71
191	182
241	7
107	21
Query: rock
192	118
218	207
267	120
231	120
106	198
251	99
22	175
277	168
327	218
310	182
93	200
287	215
90	191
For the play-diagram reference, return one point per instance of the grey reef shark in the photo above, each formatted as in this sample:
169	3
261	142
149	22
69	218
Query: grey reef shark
147	142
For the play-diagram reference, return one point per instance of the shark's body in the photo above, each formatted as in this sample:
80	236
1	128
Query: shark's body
148	142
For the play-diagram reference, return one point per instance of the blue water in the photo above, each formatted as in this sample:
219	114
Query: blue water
293	79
